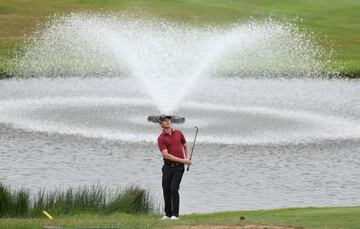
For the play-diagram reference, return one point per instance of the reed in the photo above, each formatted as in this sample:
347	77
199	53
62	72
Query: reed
83	199
13	203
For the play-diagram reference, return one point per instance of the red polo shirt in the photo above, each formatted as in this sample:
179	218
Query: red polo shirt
173	143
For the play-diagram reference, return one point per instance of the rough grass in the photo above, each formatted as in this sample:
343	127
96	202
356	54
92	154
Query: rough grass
94	199
13	203
334	24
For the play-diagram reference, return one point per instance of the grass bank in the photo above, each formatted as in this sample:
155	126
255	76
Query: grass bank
83	199
319	218
334	24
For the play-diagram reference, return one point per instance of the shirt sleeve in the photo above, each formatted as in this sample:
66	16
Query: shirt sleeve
183	140
161	144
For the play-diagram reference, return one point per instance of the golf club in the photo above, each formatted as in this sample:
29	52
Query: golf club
193	146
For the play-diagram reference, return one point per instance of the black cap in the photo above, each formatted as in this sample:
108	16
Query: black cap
163	117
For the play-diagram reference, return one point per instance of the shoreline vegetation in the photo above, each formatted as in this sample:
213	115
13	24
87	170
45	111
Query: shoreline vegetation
132	207
341	33
83	199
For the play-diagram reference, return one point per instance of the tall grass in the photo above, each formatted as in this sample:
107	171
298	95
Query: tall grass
13	204
99	199
6	204
131	200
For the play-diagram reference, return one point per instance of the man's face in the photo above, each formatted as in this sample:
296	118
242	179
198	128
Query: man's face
166	123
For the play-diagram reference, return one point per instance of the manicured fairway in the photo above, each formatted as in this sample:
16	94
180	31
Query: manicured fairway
336	24
325	218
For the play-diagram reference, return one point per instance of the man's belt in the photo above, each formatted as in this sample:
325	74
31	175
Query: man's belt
173	164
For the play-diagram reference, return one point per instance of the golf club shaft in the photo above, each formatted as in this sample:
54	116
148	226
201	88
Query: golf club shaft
193	146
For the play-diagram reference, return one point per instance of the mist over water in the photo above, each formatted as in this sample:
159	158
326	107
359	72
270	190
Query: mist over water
274	130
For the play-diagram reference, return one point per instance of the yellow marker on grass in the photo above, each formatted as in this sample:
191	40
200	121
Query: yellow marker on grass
47	214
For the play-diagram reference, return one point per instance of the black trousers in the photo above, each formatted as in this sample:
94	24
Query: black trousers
171	178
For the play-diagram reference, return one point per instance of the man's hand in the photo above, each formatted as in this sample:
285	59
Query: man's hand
187	161
170	157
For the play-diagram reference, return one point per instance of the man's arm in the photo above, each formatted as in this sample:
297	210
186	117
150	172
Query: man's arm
170	157
186	150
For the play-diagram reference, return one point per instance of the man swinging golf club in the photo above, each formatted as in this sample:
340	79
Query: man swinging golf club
173	146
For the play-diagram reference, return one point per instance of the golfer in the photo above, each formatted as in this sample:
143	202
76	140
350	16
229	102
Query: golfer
173	146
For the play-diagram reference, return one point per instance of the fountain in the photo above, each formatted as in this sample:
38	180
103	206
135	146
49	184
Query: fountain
169	57
259	90
165	67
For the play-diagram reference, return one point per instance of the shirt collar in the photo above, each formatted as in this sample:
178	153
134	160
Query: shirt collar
172	131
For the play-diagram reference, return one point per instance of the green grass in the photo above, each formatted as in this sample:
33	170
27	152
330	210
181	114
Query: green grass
133	208
324	218
94	199
13	203
337	217
334	24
